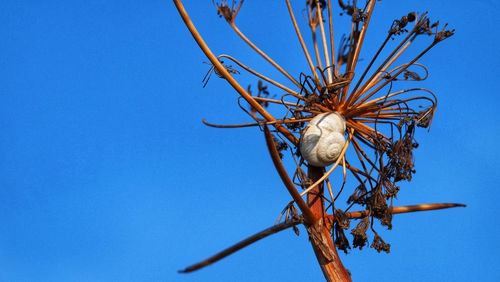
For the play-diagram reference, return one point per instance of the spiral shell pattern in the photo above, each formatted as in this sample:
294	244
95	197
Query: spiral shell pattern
323	139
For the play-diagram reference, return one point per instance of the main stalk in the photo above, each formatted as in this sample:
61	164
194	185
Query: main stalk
321	239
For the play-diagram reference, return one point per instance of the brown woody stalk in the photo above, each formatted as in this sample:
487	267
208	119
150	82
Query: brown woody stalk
320	237
314	217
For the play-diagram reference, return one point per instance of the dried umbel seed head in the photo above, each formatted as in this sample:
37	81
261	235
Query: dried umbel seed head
323	139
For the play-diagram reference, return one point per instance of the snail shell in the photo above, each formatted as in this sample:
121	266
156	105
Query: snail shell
323	139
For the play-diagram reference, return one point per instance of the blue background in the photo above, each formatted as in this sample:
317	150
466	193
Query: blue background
107	174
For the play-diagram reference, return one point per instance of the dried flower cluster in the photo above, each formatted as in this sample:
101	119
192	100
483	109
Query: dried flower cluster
380	121
381	114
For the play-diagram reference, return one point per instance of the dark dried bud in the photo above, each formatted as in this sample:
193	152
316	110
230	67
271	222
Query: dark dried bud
398	26
391	189
379	244
400	164
358	196
359	233
443	34
312	3
412	16
228	13
341	241
423	25
341	219
377	203
386	219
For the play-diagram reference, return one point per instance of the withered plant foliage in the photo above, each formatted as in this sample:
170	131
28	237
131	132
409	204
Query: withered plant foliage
382	114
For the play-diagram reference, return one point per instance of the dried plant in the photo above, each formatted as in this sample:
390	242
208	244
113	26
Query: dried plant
375	118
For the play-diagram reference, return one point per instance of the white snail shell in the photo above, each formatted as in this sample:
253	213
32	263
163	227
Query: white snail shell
323	139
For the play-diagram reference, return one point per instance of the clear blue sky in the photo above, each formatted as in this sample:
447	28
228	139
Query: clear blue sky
107	174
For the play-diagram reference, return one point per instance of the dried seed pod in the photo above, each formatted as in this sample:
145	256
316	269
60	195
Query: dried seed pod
323	139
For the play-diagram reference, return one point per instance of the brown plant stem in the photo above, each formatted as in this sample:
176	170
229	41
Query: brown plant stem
242	244
357	49
263	77
314	217
249	124
323	39
309	217
320	238
301	40
264	55
408	209
332	38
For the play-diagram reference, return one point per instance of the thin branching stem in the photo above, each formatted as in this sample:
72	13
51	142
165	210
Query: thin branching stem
323	37
263	77
301	40
358	44
313	25
403	45
332	38
408	209
367	69
242	244
367	96
250	124
222	71
264	55
309	217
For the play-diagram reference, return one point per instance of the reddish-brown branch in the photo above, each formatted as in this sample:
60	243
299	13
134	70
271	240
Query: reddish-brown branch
242	244
309	217
406	209
320	238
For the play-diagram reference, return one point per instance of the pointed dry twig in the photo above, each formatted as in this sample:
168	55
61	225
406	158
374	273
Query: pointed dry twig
408	209
250	124
242	244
